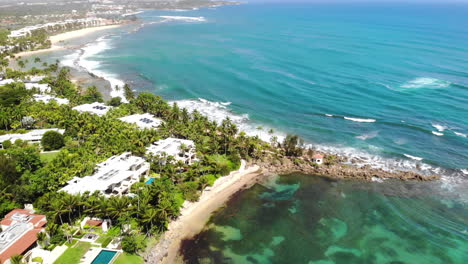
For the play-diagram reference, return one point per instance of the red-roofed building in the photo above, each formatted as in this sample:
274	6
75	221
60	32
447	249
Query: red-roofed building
20	228
317	158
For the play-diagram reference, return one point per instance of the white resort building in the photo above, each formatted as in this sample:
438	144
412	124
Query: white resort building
113	176
42	87
45	98
143	120
96	108
33	136
181	149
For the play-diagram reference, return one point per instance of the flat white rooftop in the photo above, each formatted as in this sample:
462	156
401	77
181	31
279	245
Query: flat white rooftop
173	147
33	135
6	81
47	98
116	171
143	120
96	108
44	88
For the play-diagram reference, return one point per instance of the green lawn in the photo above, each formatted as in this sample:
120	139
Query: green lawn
126	258
47	157
74	254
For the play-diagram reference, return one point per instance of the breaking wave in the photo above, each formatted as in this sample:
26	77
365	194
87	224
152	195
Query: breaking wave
218	111
425	82
413	157
460	134
183	18
439	128
87	58
361	120
437	133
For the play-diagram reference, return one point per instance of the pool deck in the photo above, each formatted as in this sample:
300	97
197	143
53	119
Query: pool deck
93	252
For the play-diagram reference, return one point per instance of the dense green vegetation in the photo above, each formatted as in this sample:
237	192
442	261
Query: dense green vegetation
25	177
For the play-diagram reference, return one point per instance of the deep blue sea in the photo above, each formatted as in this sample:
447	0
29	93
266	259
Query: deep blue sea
386	80
384	83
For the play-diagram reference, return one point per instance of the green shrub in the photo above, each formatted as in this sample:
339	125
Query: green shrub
52	140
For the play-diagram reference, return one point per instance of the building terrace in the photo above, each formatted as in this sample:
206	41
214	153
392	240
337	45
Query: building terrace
142	120
181	149
113	176
96	108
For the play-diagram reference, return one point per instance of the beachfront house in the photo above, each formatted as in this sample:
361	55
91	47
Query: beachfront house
42	87
112	177
6	81
143	120
96	108
20	228
33	136
317	158
45	98
181	149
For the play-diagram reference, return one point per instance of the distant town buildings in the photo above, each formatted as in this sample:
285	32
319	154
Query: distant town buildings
20	228
181	149
96	108
33	136
143	120
62	25
113	176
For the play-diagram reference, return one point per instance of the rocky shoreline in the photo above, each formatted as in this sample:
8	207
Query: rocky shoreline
337	170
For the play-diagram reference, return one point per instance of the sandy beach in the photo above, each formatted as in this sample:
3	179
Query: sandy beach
56	39
194	216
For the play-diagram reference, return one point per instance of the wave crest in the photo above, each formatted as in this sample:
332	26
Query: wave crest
184	18
425	82
360	120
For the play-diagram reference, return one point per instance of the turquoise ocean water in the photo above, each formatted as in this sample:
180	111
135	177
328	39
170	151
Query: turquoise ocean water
384	83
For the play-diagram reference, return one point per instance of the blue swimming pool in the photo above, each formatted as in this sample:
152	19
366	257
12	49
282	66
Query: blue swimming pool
149	181
104	257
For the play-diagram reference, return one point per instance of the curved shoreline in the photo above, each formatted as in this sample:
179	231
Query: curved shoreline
193	216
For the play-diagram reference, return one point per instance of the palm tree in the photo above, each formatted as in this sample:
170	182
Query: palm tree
69	203
42	239
16	259
149	216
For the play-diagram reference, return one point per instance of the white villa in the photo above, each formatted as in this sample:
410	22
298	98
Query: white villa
6	81
47	98
33	136
42	87
96	108
172	147
143	120
113	176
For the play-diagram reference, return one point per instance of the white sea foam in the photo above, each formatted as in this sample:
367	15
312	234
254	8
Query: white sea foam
370	135
413	157
361	120
425	82
183	18
216	111
329	115
437	133
89	60
440	128
71	59
460	134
